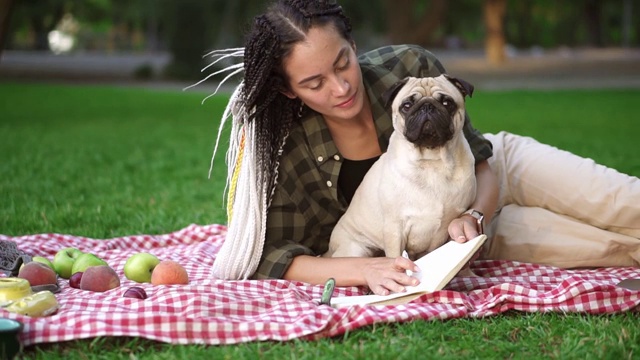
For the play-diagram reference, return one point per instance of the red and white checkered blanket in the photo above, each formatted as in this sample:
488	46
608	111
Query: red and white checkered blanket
209	311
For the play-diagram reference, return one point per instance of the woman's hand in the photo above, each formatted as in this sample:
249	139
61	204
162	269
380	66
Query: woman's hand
463	228
385	275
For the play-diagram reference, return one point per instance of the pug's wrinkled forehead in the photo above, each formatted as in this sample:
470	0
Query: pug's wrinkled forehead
428	86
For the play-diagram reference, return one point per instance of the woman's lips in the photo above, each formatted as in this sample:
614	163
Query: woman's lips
347	103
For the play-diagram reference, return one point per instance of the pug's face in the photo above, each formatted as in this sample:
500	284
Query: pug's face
428	111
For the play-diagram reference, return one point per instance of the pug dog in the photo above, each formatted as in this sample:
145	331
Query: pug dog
424	180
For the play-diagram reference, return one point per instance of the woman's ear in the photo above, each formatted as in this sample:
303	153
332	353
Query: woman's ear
288	93
285	90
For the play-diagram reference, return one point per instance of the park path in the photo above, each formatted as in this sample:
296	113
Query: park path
531	69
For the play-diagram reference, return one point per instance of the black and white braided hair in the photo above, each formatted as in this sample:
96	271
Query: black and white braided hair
261	119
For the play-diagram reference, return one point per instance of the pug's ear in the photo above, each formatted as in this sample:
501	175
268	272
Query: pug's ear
465	88
391	92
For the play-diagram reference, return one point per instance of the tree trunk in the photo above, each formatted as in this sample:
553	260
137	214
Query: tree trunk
405	27
494	12
430	22
5	15
399	14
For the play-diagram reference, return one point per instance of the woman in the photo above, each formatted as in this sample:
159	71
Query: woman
308	123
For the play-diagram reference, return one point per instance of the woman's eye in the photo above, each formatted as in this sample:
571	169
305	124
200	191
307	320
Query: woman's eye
316	86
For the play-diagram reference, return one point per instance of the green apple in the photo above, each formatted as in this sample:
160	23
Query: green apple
63	261
43	260
140	266
86	260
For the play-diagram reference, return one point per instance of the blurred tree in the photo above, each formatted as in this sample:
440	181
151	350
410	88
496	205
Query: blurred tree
190	33
593	13
148	18
635	12
42	17
227	35
6	7
235	18
368	21
134	25
494	12
463	27
414	22
563	25
627	11
187	29
552	23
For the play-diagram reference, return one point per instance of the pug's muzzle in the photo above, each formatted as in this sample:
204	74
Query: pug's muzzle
429	122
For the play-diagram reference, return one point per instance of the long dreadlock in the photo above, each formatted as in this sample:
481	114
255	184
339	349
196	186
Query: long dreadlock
262	118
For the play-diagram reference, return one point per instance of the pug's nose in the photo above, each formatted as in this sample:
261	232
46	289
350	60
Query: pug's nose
427	108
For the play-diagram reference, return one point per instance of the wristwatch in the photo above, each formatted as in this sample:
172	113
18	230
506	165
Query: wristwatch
479	219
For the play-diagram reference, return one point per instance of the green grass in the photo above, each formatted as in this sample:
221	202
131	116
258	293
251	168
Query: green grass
105	162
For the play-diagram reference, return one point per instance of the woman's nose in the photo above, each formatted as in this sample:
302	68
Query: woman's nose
341	86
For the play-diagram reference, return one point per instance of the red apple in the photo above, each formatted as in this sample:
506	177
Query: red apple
74	280
136	293
99	278
38	274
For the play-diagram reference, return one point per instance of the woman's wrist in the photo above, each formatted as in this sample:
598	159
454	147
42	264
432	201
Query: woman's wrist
477	218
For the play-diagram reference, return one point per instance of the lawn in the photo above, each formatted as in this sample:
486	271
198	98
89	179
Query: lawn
104	162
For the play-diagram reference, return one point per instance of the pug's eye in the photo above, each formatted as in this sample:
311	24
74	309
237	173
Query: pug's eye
406	106
448	103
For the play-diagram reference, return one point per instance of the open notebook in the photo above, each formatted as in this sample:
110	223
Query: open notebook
437	268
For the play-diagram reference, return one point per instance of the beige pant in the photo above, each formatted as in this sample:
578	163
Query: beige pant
559	209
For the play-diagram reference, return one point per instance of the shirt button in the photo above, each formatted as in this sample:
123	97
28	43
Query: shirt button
320	159
329	184
336	157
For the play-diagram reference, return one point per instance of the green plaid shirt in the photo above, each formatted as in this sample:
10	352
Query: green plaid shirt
306	203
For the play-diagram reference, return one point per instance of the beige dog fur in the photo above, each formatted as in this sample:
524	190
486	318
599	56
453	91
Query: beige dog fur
411	194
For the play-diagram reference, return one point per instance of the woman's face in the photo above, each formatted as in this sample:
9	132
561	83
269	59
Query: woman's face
323	71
